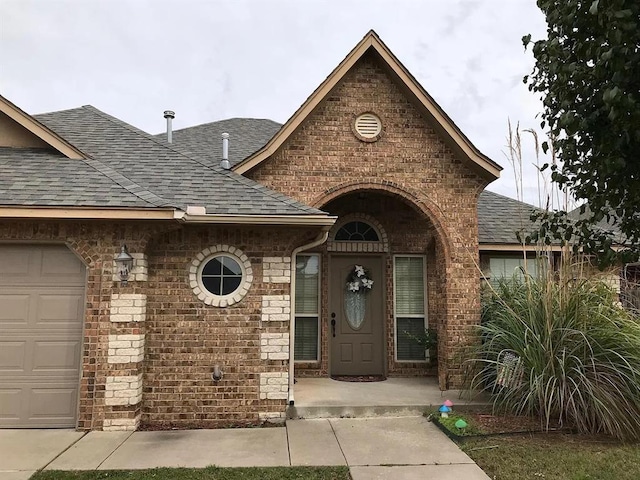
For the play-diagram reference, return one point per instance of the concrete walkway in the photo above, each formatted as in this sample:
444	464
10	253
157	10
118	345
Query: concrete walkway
373	448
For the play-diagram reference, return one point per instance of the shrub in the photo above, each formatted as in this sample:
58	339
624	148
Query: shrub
575	354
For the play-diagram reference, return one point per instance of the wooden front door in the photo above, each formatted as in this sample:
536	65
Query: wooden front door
356	316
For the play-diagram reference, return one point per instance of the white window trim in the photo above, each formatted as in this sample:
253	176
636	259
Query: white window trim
425	305
198	264
310	315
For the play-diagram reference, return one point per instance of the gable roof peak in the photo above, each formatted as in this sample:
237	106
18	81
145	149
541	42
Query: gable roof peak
443	124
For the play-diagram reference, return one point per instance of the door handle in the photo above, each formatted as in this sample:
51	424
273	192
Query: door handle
333	324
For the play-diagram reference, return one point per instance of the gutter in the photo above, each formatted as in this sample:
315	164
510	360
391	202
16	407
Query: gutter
302	220
320	239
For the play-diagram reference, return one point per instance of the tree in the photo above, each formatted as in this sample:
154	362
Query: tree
588	74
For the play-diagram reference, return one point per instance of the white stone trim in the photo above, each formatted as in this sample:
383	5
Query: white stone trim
276	308
126	348
128	307
274	346
276	269
123	390
121	424
272	417
195	279
274	385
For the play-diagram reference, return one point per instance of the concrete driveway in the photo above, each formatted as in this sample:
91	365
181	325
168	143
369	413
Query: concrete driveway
22	452
373	448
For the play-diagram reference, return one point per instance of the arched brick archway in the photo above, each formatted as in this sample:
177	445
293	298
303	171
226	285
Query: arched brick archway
424	206
435	217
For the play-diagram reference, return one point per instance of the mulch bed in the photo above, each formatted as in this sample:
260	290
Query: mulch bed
359	378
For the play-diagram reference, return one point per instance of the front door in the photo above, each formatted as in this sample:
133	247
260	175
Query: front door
356	315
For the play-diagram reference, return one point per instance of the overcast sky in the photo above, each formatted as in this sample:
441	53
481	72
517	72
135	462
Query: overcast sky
210	60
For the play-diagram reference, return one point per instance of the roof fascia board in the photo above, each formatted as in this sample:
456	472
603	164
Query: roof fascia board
83	213
305	110
87	213
371	40
39	130
516	247
300	220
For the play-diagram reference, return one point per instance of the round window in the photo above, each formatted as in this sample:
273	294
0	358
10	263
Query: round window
221	275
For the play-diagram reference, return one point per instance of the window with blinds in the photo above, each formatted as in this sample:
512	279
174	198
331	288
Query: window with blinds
508	267
409	306
307	308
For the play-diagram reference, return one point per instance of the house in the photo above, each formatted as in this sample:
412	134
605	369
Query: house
322	243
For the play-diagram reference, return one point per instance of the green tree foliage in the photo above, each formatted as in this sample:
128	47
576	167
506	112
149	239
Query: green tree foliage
588	74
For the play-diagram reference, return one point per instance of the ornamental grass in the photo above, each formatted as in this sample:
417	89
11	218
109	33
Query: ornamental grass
561	347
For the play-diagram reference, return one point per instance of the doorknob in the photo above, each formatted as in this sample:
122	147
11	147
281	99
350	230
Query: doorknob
333	324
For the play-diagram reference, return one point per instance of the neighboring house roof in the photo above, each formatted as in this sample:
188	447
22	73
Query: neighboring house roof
166	173
246	136
611	226
500	217
426	104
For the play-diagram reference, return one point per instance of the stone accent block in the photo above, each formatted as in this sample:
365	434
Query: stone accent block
276	270
121	424
272	417
124	390
128	307
276	308
274	346
139	270
125	348
274	385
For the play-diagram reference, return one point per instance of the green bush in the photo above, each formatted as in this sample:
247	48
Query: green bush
575	354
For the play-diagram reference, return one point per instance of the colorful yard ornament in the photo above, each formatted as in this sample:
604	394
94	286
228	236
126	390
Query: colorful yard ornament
444	411
461	424
448	403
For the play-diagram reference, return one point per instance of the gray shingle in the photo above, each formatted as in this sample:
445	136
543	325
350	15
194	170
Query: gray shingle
165	171
40	177
500	217
246	136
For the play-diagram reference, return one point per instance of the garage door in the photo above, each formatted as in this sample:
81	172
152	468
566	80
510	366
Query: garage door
41	311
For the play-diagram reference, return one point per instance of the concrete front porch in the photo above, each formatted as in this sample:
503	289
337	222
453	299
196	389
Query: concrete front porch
395	396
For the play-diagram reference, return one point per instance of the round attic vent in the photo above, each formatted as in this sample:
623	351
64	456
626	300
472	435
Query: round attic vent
368	126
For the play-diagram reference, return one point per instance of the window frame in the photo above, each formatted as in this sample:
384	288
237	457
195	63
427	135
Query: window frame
425	310
203	258
310	315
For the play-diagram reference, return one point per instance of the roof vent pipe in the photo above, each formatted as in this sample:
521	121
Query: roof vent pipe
225	152
169	115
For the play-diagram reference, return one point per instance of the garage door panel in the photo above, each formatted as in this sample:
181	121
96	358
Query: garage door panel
16	263
52	403
60	266
13	356
11	402
60	356
59	309
41	311
14	309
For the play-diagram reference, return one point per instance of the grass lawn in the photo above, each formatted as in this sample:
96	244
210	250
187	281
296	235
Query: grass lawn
555	456
209	473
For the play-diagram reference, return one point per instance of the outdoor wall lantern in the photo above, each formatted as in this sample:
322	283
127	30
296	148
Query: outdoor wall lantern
124	262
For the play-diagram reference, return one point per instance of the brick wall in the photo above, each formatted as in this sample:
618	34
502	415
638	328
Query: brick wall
97	244
149	347
323	160
185	338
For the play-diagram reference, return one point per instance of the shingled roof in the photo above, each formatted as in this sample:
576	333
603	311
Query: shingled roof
41	177
155	173
246	136
500	218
